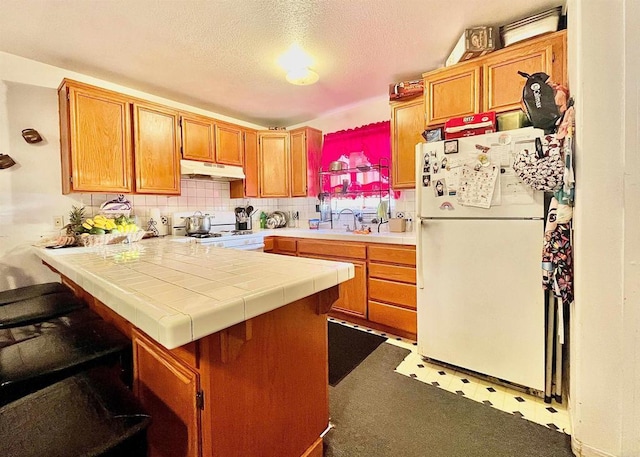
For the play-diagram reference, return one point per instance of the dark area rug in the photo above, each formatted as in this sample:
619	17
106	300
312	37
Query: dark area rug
348	347
379	413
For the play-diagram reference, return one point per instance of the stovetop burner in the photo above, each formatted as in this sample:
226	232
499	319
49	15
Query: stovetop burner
219	234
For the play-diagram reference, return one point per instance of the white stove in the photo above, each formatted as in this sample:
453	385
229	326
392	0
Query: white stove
222	233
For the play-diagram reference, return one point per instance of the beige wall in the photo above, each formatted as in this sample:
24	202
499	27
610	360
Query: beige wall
604	62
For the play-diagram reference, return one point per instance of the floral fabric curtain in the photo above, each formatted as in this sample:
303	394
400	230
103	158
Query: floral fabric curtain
363	150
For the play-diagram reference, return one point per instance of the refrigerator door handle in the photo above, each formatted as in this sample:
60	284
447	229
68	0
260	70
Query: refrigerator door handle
419	254
419	190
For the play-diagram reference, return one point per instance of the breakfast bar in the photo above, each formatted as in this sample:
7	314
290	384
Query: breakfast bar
229	347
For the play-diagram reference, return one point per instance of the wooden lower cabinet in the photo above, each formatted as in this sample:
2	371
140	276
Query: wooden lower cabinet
382	293
285	246
168	390
258	388
353	293
393	316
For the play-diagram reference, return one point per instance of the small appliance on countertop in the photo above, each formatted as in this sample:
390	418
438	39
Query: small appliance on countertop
222	231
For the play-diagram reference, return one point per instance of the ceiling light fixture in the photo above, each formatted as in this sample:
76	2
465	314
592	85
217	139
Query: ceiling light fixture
296	62
302	76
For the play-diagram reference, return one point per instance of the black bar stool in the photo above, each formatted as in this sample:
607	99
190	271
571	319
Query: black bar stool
37	309
33	363
36	290
88	414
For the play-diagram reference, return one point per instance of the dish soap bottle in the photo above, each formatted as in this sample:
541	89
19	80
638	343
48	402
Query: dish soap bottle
263	220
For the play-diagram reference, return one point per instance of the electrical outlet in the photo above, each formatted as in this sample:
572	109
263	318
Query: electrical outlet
58	221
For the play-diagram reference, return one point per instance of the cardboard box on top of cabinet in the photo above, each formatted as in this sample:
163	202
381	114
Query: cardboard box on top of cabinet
474	42
406	89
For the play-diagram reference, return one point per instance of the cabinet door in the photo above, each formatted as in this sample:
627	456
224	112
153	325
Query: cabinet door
228	144
157	146
298	163
452	92
502	83
167	390
306	148
247	187
95	141
273	164
353	293
197	138
407	125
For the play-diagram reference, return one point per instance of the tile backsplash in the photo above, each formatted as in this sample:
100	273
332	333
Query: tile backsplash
210	195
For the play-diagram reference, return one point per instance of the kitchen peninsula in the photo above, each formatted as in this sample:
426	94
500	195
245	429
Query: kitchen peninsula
229	347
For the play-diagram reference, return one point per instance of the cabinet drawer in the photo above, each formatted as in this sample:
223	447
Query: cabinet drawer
392	316
284	245
335	249
405	255
393	292
392	272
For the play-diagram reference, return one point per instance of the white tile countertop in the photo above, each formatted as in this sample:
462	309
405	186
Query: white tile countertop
180	292
342	235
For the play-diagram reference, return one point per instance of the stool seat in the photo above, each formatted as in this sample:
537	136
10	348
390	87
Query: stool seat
36	309
13	335
37	362
88	414
23	293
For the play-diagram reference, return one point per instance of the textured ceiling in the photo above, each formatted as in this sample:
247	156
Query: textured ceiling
220	55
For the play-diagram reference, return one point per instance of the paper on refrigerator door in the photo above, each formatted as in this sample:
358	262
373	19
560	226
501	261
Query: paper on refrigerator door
476	187
514	191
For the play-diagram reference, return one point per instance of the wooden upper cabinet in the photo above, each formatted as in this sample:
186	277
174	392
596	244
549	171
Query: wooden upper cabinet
197	138
273	163
407	125
298	164
167	389
228	144
451	92
250	142
157	149
306	148
503	85
247	187
95	139
492	82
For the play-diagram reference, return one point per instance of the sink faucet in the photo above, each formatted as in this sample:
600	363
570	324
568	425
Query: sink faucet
354	218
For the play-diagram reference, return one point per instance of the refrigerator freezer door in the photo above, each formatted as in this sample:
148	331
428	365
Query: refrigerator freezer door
482	306
439	177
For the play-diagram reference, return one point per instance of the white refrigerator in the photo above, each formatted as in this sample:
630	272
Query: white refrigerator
479	245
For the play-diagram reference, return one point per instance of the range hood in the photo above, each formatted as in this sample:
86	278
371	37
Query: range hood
194	169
